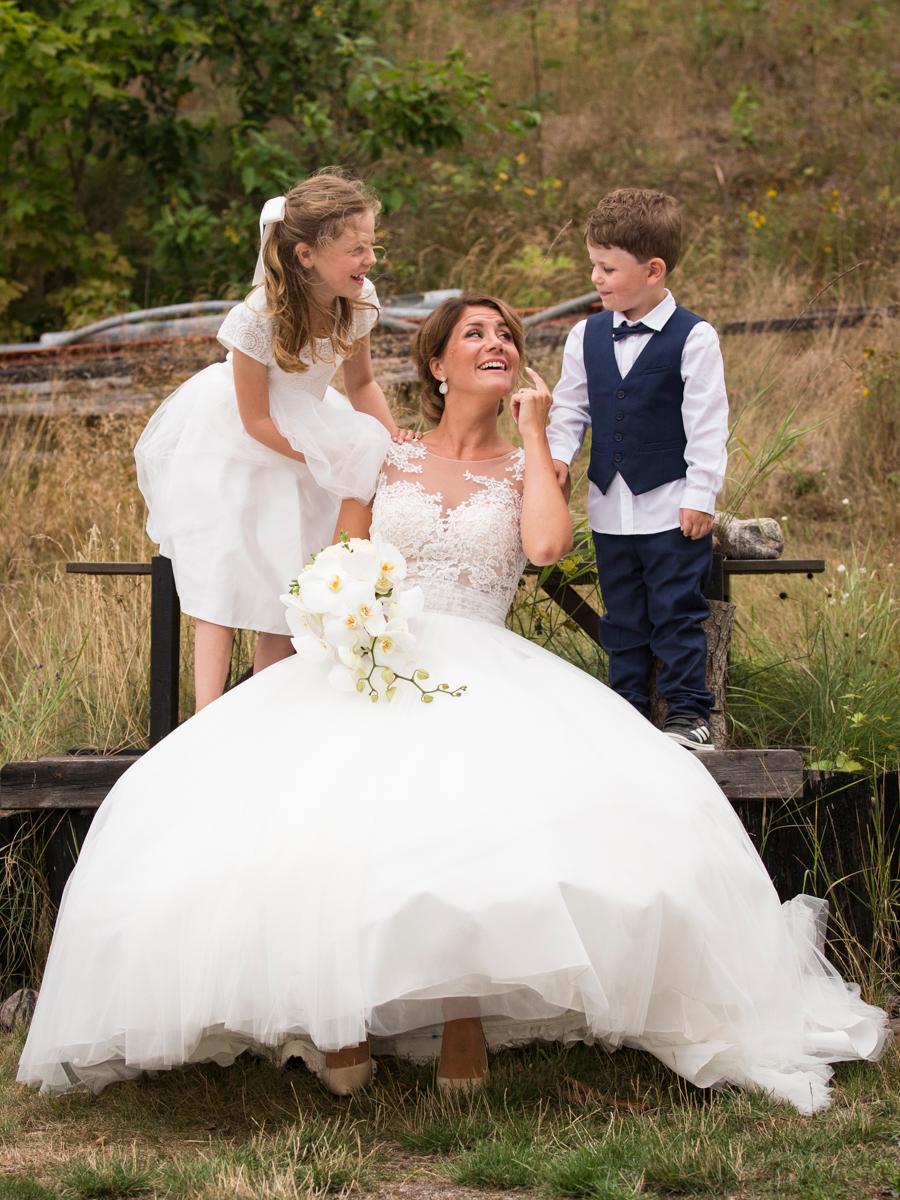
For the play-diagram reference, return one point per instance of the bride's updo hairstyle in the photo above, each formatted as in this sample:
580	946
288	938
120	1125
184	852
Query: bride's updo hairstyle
316	211
434	334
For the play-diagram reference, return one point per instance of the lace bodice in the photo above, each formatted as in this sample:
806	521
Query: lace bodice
457	524
249	328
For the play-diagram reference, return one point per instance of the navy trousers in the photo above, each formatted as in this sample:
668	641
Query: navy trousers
652	585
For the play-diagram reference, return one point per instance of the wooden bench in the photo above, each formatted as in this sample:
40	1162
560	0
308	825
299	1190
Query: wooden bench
816	832
59	795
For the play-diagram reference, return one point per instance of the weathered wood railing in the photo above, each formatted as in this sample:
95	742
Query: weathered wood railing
165	635
165	612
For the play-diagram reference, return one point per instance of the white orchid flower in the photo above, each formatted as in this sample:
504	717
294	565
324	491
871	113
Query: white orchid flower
343	629
406	603
351	658
394	643
391	567
311	649
372	617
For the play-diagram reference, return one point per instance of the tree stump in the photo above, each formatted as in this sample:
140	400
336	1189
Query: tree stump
718	627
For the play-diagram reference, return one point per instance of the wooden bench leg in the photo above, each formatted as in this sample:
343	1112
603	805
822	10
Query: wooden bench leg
165	649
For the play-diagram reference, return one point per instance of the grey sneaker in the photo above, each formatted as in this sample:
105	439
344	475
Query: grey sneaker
692	732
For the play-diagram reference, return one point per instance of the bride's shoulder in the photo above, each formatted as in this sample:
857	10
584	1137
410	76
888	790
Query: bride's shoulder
406	457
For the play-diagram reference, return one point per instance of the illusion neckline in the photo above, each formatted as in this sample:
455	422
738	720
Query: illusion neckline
444	458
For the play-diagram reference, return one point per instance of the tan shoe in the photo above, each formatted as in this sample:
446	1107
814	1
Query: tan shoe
461	1087
344	1081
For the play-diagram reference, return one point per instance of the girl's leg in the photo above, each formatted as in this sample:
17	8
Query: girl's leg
212	660
271	648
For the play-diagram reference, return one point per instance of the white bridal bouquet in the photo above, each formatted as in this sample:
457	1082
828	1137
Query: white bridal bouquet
348	606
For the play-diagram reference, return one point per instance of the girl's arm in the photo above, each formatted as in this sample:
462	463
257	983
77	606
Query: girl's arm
363	390
354	519
546	524
251	385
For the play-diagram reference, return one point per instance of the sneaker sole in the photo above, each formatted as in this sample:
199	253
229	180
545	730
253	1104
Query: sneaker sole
681	740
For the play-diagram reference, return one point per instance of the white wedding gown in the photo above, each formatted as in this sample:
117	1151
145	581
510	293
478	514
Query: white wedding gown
296	867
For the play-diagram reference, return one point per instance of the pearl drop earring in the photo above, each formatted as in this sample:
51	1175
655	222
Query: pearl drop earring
443	387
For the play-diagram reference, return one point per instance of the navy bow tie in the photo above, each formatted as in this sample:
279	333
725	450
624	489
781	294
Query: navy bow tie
624	330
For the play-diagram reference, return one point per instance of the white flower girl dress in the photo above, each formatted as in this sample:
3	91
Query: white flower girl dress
296	867
230	512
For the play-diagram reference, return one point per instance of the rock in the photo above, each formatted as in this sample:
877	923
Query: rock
752	537
17	1009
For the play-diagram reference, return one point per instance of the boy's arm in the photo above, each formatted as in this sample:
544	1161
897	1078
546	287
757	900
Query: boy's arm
705	415
570	412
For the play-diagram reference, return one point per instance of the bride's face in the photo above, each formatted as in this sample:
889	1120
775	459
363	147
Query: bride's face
480	356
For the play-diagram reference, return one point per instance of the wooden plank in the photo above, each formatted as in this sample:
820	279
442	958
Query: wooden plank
755	774
70	781
559	588
773	566
108	568
83	782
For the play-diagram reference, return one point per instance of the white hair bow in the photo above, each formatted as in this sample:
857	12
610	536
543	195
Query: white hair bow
272	213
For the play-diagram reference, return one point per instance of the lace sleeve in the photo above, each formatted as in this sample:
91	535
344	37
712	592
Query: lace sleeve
248	329
366	312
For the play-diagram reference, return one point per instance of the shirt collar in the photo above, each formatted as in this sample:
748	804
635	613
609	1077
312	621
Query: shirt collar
656	317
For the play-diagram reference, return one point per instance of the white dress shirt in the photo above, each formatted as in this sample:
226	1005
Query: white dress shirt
704	413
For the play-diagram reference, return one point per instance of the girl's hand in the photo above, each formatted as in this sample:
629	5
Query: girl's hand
530	406
404	435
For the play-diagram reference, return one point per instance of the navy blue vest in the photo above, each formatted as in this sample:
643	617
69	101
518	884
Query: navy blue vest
636	425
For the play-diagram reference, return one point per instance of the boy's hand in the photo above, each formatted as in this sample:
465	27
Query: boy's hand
562	476
694	524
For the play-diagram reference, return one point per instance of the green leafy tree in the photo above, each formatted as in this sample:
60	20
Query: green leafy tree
138	138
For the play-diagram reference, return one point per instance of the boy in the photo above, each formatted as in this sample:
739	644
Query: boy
647	376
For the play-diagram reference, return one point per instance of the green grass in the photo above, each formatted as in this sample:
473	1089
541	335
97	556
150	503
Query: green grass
553	1122
107	1179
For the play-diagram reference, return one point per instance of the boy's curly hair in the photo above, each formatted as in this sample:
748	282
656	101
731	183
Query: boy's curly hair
647	224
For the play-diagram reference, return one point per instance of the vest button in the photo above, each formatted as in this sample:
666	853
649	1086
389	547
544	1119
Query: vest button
620	394
618	457
619	436
620	416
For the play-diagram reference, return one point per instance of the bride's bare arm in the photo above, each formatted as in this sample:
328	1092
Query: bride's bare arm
353	519
546	524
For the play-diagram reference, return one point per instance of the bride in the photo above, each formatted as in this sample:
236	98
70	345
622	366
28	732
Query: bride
299	872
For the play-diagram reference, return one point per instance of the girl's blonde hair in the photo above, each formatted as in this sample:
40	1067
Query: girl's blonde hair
434	334
316	211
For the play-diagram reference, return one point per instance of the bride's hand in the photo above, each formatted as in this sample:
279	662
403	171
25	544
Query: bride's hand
530	406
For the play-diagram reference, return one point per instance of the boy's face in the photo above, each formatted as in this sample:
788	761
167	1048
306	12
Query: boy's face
626	285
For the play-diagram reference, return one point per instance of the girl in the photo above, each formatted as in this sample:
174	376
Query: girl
244	466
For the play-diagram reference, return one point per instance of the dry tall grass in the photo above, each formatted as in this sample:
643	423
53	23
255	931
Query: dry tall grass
74	649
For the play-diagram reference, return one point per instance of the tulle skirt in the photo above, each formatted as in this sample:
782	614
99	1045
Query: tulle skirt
295	869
